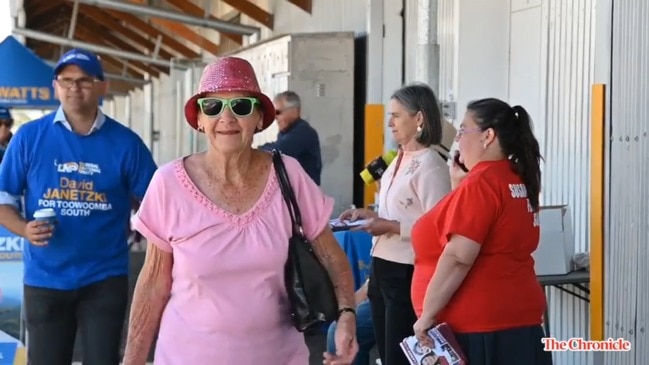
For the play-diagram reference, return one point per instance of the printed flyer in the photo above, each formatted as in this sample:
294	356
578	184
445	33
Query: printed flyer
12	351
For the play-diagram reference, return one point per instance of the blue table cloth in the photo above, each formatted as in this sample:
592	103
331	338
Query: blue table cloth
357	246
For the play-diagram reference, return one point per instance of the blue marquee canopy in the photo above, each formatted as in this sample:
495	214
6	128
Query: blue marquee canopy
25	79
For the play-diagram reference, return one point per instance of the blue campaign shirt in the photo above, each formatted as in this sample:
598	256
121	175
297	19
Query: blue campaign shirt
90	182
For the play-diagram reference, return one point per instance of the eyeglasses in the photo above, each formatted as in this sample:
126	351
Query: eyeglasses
281	111
82	82
240	107
463	131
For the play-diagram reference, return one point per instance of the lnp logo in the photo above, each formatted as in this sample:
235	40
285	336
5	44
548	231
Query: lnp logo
80	56
84	168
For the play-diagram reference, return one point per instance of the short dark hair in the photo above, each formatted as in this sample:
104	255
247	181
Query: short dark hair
291	98
421	98
513	126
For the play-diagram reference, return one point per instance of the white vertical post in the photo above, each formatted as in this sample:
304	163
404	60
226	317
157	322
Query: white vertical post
128	115
148	114
375	31
180	115
427	64
392	58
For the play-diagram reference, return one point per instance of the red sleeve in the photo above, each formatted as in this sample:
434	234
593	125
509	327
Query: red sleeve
472	211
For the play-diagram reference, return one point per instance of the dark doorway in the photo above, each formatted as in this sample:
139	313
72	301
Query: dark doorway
360	98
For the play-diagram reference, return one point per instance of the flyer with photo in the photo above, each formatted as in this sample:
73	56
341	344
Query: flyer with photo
445	351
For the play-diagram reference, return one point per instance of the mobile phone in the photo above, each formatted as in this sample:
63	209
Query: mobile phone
456	159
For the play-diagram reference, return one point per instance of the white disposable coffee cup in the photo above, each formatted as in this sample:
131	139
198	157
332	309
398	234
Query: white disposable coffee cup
45	215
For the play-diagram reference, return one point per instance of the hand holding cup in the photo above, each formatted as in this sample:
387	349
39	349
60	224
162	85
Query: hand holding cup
39	231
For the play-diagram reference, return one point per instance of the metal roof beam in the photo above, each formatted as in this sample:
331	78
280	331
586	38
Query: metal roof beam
44	37
171	15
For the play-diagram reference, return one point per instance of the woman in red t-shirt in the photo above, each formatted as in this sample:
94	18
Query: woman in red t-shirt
473	251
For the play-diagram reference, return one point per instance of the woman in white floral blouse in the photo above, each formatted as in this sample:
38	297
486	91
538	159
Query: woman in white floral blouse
413	183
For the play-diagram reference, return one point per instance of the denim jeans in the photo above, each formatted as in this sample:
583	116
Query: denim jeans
364	334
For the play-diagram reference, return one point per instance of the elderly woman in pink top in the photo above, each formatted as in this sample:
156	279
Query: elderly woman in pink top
218	231
413	183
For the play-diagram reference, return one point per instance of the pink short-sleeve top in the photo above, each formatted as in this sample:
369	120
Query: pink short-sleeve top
228	301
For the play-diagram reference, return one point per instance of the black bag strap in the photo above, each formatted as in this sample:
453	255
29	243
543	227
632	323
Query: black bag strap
288	193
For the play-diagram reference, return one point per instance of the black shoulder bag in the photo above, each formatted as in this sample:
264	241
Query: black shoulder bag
310	290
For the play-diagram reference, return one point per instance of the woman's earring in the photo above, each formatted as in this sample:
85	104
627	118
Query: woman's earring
419	129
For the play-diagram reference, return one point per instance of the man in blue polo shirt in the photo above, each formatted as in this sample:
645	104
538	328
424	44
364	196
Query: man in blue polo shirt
87	167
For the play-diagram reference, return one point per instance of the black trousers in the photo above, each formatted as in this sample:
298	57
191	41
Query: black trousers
516	346
53	316
392	311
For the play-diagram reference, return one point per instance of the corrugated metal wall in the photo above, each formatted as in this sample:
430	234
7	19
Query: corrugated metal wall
566	178
626	286
563	125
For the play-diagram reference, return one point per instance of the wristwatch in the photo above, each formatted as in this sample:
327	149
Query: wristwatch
346	309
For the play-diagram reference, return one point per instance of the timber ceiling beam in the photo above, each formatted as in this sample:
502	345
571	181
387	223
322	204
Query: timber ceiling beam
305	5
185	32
192	9
44	50
41	48
112	39
116	67
130	68
38	8
109	22
55	26
59	14
152	11
253	11
89	36
167	40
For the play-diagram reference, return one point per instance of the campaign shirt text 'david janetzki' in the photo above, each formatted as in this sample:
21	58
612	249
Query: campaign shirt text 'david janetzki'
90	181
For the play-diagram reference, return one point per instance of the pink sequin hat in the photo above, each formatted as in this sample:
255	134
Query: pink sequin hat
229	74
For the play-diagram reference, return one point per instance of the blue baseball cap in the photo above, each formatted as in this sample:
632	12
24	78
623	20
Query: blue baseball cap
5	114
85	60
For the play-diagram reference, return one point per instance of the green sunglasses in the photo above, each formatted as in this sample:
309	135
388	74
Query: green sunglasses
240	107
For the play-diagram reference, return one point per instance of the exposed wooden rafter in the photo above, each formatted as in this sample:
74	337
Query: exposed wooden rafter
92	37
133	33
38	8
187	33
253	11
195	10
305	5
148	29
109	22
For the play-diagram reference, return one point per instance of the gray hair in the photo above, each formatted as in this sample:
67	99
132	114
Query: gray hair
417	98
291	98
